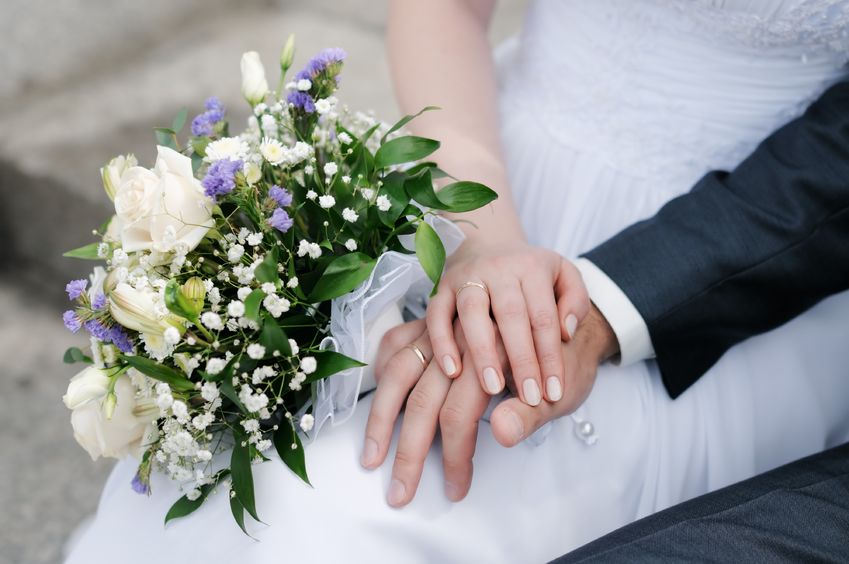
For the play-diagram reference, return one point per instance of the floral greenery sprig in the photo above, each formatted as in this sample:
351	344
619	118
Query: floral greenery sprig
220	266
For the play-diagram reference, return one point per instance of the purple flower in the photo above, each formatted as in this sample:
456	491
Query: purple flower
75	288
280	195
99	301
301	100
140	486
97	330
221	178
120	339
280	220
326	59
72	322
203	124
213	104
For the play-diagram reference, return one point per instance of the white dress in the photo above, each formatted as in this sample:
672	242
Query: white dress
609	109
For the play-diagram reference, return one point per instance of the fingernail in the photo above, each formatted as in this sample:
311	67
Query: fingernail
448	365
369	457
531	389
553	388
517	426
491	381
397	492
571	324
452	492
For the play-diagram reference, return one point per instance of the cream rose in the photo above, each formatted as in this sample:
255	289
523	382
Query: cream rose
254	85
163	208
101	436
112	173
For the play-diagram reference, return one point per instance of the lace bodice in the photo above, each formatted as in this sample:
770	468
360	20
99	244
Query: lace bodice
673	86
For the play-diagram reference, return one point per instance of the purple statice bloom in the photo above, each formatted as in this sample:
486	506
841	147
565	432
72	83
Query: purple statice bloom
221	178
120	339
203	124
280	220
99	301
72	321
140	486
320	62
75	288
280	195
98	330
301	100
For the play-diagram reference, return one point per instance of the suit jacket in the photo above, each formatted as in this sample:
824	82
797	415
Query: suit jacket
744	251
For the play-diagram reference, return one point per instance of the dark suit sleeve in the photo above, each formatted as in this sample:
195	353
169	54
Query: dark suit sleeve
744	251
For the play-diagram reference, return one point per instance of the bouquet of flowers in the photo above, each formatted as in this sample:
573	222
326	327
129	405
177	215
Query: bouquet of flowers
211	322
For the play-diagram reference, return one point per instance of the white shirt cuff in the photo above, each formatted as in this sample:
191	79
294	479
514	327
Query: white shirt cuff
628	325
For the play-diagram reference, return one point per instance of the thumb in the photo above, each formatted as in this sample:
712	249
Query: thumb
573	302
512	420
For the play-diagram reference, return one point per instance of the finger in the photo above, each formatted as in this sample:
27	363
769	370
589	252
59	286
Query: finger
473	313
440	315
394	340
545	328
573	302
402	371
512	420
511	314
417	433
458	423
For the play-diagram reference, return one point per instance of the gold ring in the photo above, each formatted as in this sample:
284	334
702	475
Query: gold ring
470	284
419	354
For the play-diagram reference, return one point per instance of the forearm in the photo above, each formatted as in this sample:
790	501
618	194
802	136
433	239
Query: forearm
439	55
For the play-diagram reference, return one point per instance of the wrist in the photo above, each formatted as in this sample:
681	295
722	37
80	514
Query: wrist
599	335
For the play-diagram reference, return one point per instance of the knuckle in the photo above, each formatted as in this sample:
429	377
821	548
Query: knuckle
470	303
405	459
452	416
511	308
543	320
523	362
419	401
551	359
481	351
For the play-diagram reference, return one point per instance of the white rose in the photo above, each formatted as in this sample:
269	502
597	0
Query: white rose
163	207
112	173
89	385
254	85
100	436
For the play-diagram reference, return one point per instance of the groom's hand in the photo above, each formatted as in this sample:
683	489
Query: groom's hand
512	421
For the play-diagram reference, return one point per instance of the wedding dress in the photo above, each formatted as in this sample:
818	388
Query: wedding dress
609	109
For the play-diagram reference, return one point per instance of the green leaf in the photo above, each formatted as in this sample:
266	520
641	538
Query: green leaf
267	270
404	150
273	338
435	171
166	137
179	120
238	511
243	478
159	372
405	120
466	196
74	354
341	276
420	188
227	390
330	363
185	506
253	303
430	251
367	135
294	458
177	303
87	252
393	188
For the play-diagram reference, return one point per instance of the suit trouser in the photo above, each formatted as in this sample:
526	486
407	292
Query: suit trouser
795	513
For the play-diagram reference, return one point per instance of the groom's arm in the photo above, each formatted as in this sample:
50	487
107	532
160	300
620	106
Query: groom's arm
741	254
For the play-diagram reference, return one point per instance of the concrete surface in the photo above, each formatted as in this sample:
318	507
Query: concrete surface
84	80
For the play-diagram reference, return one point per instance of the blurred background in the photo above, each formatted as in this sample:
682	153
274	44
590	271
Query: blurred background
83	81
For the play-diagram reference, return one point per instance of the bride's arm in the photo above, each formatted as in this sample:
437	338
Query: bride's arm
440	55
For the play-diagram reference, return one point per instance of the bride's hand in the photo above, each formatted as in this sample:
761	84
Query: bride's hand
537	299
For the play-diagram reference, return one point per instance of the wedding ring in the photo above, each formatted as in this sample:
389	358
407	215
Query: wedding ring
419	354
471	284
